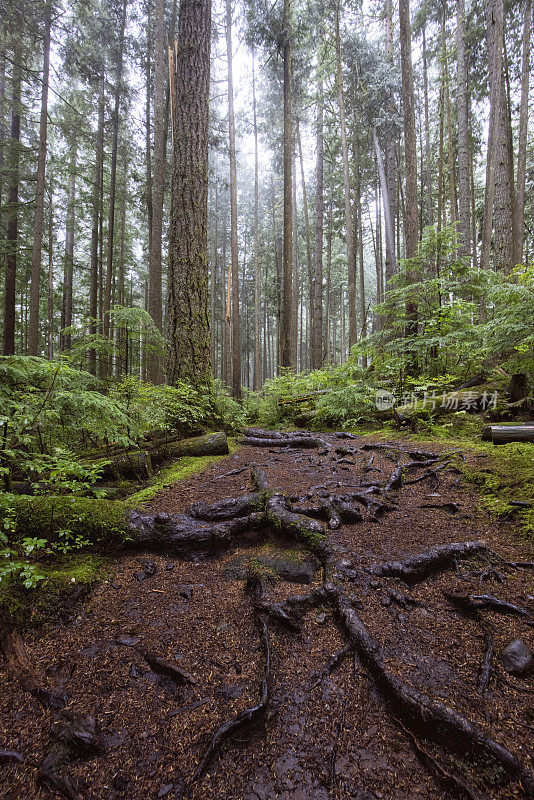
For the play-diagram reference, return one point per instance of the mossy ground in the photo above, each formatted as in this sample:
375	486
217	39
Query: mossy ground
63	580
183	468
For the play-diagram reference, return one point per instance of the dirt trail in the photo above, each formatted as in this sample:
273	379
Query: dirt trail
326	736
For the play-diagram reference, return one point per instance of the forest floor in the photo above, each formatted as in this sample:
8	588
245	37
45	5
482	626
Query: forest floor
328	734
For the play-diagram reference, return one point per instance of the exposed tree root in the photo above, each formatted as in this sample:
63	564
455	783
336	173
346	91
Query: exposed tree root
11	755
185	536
333	663
421	565
173	671
446	778
418	711
484	673
246	719
49	776
296	526
302	442
226	509
28	677
476	602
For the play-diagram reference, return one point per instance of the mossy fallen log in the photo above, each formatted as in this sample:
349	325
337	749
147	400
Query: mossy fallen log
138	463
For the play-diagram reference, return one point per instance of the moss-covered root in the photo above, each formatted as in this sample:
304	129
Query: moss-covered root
296	526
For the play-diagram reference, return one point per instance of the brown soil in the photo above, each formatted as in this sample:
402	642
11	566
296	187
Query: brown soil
325	737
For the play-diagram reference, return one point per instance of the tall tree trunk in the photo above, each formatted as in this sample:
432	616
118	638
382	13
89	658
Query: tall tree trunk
155	304
349	222
257	367
38	226
429	220
503	200
390	165
50	326
363	308
148	124
236	321
13	208
317	307
66	339
388	217
411	233
113	183
519	229
462	107
2	133
309	267
96	212
288	345
494	47
188	304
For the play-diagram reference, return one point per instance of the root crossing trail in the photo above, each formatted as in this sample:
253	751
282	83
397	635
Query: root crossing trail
348	644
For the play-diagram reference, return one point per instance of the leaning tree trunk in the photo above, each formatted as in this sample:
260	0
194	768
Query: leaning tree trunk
188	303
38	227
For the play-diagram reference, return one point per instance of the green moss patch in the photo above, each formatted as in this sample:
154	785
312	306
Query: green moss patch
178	471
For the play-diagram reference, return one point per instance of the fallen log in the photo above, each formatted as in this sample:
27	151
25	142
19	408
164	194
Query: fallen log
504	434
419	712
138	463
420	565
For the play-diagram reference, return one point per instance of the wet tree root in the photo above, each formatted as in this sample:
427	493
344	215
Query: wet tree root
419	712
476	602
419	566
29	678
244	721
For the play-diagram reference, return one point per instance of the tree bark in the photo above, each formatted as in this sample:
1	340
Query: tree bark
96	204
113	186
257	377
317	307
390	166
38	227
411	232
236	321
349	222
188	303
494	46
155	303
519	228
462	105
288	347
68	273
13	209
504	190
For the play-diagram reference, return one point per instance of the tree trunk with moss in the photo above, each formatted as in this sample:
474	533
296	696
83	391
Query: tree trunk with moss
188	328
